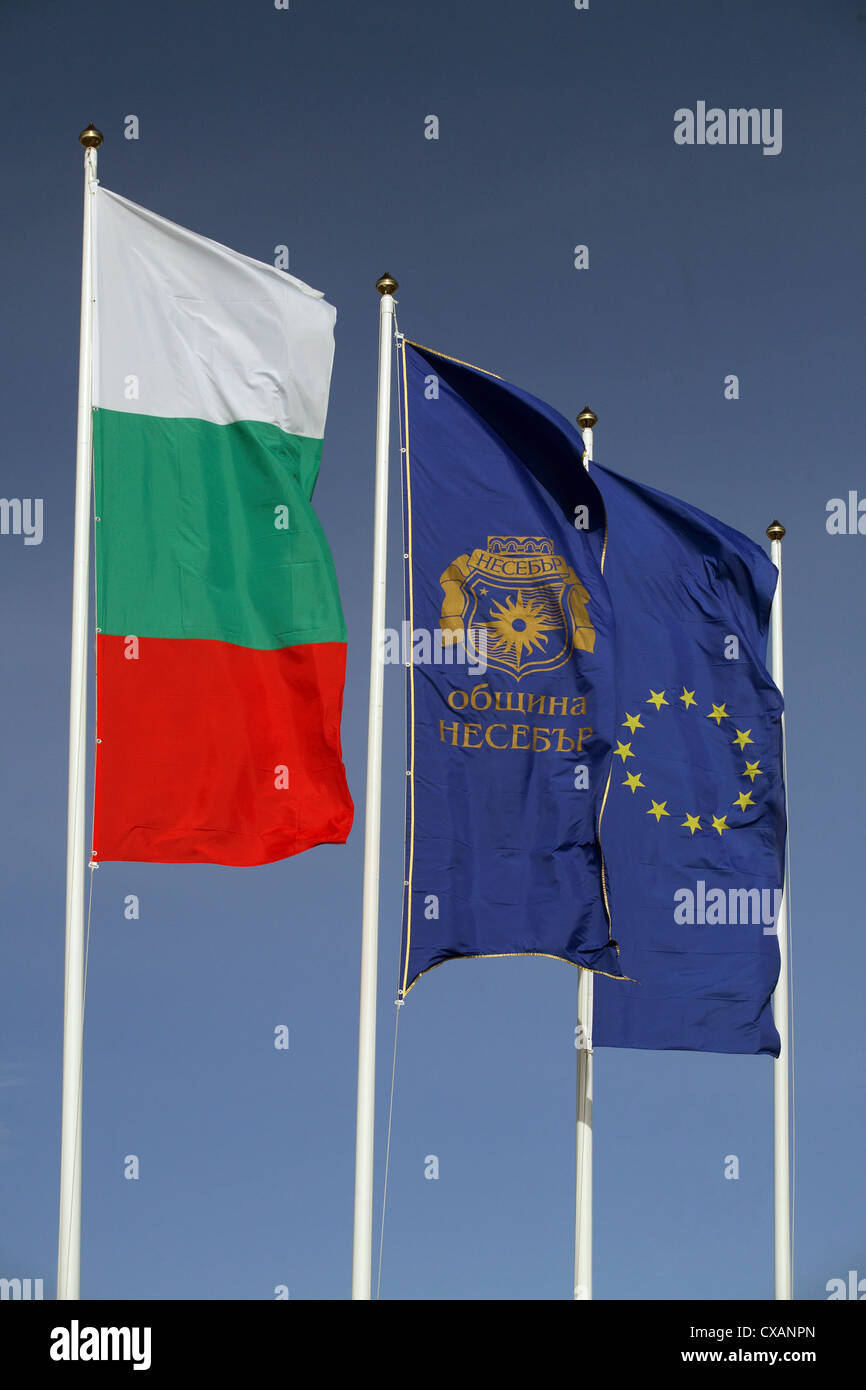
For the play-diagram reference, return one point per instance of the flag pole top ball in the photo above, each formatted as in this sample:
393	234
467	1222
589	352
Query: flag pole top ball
91	138
587	419
386	284
775	530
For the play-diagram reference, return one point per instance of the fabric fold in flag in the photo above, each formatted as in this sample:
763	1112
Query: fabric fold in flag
221	644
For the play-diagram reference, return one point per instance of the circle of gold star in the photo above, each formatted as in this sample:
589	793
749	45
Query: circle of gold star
696	821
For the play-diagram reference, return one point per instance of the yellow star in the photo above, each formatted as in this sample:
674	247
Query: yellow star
623	750
692	823
720	823
688	697
657	698
752	771
632	780
743	739
719	712
633	721
658	810
744	800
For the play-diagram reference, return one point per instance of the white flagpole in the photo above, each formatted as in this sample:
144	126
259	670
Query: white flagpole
783	1273
362	1248
583	1179
69	1239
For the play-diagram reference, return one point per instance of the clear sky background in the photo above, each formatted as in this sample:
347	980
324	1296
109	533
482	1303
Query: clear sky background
306	127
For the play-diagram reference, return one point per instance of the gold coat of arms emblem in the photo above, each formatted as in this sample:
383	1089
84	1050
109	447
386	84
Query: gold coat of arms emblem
525	598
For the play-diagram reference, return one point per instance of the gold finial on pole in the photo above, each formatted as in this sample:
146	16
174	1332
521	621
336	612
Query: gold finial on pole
386	284
775	531
587	419
91	138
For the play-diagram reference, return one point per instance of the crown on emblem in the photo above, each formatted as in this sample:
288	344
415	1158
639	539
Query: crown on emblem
519	545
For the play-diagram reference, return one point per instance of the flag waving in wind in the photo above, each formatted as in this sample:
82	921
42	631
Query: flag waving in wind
221	644
694	829
596	773
510	729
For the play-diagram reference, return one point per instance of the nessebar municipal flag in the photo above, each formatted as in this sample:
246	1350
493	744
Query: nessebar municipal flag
609	789
510	740
221	644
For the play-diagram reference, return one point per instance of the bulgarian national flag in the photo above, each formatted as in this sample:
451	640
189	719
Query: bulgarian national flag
221	646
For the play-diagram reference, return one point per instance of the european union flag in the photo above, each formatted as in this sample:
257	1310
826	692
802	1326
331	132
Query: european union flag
693	833
594	745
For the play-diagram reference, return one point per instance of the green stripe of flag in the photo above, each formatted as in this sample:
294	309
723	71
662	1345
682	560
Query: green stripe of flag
206	531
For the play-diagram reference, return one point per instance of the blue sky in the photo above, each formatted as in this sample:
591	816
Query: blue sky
305	127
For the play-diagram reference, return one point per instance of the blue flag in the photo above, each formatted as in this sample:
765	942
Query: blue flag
694	830
594	743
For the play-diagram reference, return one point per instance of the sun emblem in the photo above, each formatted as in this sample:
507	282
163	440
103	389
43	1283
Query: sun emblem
517	629
526	599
